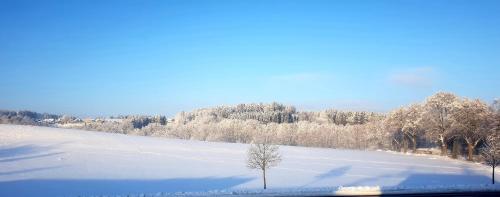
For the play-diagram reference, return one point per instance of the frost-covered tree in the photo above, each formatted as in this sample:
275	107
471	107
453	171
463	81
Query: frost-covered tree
396	121
496	116
437	117
491	153
491	150
472	119
263	156
411	126
377	135
495	106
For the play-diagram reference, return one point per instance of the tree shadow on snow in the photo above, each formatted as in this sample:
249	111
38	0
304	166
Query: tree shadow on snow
333	173
412	178
468	177
17	150
30	157
67	187
443	179
23	152
376	179
27	171
336	172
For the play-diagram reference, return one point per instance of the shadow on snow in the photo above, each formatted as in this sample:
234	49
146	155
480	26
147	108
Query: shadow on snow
17	153
412	178
336	172
68	187
443	179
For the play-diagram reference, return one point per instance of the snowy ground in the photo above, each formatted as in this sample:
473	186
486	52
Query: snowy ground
42	161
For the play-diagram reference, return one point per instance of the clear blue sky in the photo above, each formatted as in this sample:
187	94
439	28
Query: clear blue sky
90	58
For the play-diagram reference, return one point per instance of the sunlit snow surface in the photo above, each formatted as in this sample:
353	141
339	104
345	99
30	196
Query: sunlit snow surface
43	161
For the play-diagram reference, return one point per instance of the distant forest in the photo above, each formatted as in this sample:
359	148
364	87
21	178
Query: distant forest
25	117
456	125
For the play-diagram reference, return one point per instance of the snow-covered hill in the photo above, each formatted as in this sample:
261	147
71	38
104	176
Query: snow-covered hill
42	161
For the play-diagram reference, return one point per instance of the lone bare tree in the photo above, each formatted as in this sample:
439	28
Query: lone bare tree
491	153
491	149
263	156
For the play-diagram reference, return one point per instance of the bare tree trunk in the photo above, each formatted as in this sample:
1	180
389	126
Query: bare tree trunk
455	149
493	176
395	145
264	177
470	151
337	140
444	148
358	143
414	139
405	145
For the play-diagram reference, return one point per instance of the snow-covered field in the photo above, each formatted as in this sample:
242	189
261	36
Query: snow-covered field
42	161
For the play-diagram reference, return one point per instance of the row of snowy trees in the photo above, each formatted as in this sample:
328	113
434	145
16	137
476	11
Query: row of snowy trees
137	125
444	118
302	133
276	113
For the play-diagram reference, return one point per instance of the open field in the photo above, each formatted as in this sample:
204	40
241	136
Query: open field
37	161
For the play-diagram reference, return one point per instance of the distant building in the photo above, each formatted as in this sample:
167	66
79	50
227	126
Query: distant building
49	121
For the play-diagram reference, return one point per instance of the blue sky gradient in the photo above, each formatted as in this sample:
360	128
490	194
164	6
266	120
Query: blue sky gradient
89	58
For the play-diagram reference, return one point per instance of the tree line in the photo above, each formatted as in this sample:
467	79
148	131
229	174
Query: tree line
445	119
454	124
277	113
25	117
